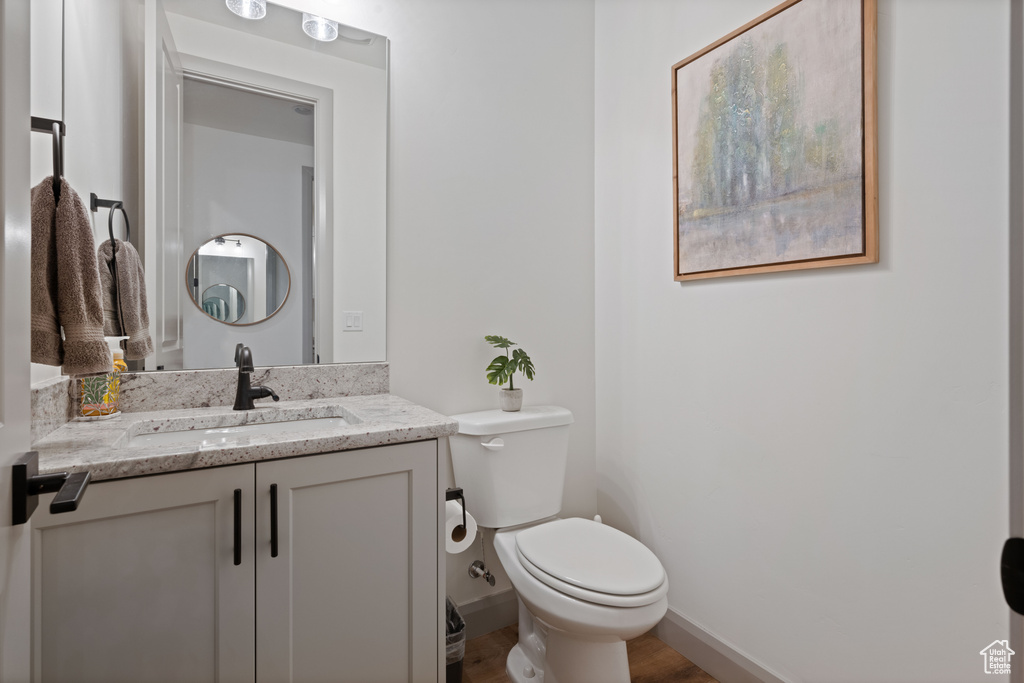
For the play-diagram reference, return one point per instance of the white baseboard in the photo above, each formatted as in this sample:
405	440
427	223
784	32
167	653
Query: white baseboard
490	613
711	654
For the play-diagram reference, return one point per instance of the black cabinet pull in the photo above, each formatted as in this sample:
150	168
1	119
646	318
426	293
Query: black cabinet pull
273	520
238	527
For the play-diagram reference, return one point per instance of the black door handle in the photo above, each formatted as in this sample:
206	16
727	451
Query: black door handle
70	493
27	484
238	527
273	520
1011	569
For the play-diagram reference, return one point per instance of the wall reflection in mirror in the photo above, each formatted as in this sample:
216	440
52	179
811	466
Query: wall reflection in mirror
253	133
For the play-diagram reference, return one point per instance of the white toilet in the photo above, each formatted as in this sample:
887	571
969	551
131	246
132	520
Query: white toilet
584	588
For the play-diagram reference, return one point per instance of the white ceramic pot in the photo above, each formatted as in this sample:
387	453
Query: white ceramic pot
511	400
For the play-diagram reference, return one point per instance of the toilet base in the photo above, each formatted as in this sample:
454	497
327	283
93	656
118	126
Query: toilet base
518	667
547	655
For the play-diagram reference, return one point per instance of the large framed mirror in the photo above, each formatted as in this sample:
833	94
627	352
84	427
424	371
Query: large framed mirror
233	126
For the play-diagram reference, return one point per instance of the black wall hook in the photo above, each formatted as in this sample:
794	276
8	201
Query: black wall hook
58	161
55	128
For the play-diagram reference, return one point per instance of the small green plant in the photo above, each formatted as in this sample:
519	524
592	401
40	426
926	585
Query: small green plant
502	368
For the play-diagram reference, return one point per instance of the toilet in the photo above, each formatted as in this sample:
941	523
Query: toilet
584	588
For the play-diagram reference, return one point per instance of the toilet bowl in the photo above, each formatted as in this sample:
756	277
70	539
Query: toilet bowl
569	633
584	588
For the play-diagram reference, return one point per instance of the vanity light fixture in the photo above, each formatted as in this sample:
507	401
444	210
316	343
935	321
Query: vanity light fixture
219	240
319	27
248	9
238	243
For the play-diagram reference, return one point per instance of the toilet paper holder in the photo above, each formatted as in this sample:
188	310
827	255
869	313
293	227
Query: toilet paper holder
456	494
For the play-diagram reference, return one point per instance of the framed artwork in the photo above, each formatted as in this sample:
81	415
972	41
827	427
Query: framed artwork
775	146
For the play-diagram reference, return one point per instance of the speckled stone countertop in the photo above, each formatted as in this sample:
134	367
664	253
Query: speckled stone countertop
102	448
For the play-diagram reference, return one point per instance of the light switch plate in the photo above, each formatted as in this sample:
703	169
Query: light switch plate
353	321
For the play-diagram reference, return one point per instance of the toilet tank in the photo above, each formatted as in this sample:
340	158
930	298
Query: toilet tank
511	466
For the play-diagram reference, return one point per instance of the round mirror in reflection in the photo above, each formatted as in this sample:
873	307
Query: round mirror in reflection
237	279
223	303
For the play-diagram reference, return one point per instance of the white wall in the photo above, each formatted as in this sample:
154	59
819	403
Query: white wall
490	209
818	458
262	197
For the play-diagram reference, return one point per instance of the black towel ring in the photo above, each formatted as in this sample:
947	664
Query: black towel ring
58	162
113	256
110	224
95	203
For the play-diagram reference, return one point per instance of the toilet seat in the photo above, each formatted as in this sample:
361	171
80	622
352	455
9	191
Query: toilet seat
592	562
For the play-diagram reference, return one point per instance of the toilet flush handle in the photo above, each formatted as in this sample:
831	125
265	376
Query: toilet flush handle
494	444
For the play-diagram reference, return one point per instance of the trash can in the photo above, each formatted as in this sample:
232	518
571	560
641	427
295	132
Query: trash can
455	642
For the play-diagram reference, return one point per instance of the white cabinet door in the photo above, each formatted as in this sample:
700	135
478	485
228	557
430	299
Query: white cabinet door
352	595
140	583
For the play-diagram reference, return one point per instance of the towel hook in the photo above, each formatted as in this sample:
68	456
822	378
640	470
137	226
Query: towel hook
56	128
58	161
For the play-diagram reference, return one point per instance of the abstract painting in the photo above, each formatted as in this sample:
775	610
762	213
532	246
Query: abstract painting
775	144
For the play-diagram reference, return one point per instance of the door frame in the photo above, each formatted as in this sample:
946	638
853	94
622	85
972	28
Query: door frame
15	382
325	231
1016	312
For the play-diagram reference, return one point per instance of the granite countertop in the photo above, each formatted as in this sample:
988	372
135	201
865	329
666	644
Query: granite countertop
101	447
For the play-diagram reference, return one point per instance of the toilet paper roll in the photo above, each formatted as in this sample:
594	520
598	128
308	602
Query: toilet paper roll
457	538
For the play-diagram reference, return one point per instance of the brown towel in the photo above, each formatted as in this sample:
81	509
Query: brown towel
65	284
131	289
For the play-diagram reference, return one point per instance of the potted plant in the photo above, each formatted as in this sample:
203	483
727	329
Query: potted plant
502	368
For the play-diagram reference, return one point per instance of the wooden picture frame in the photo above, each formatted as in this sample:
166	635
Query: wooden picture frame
775	161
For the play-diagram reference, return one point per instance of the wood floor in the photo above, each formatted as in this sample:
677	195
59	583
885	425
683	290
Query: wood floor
650	660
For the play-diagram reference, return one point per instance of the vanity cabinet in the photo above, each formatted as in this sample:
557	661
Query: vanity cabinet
139	584
353	593
143	582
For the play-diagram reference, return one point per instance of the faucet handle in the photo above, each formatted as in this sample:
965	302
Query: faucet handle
238	353
245	360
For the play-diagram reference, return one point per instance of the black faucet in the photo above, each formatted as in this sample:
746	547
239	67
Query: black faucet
245	394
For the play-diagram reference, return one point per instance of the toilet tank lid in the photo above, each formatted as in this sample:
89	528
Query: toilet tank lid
487	422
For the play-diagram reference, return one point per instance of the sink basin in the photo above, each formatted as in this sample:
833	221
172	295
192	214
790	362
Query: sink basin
215	437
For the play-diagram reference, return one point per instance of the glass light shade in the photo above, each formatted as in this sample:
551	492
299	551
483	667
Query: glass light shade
248	9
319	28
